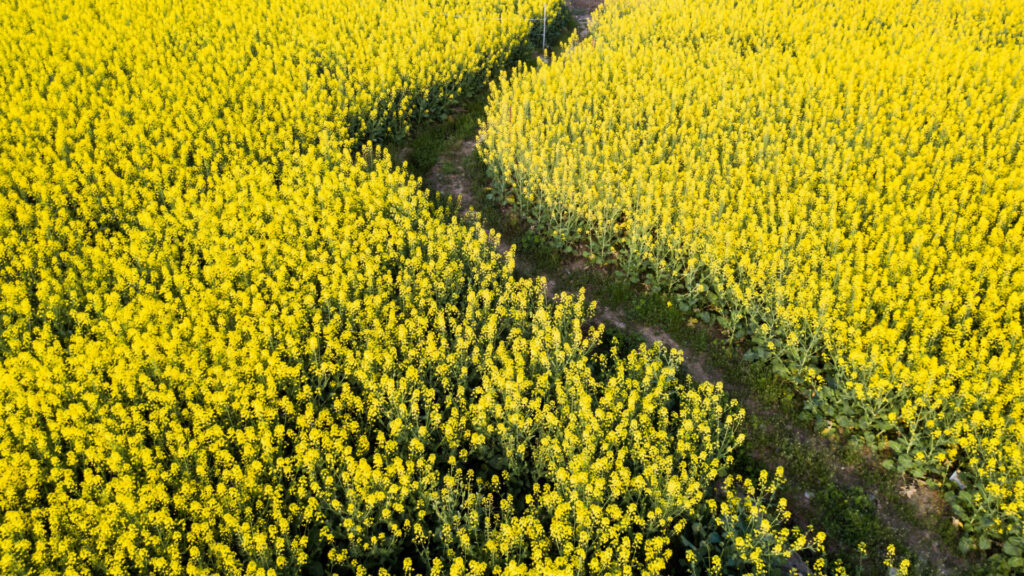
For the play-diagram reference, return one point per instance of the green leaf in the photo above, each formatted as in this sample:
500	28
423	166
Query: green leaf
984	543
905	462
1011	548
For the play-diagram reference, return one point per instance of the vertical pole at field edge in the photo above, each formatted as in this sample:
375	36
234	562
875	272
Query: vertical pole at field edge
544	28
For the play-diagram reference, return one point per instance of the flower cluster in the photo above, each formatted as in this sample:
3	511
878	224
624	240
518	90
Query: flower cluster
839	185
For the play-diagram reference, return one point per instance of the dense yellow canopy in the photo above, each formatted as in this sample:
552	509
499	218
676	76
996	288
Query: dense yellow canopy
840	183
231	345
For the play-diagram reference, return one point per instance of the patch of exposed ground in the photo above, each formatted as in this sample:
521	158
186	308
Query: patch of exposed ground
449	177
581	11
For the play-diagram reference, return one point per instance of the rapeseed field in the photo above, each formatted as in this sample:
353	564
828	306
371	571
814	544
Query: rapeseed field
838	185
236	338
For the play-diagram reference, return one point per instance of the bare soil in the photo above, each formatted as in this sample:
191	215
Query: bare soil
581	10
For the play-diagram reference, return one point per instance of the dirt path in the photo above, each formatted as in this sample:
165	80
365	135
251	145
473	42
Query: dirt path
905	510
581	11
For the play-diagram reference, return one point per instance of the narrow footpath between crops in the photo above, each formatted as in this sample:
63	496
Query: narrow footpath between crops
831	485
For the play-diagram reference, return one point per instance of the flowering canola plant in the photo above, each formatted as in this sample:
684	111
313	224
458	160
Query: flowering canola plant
840	184
233	341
